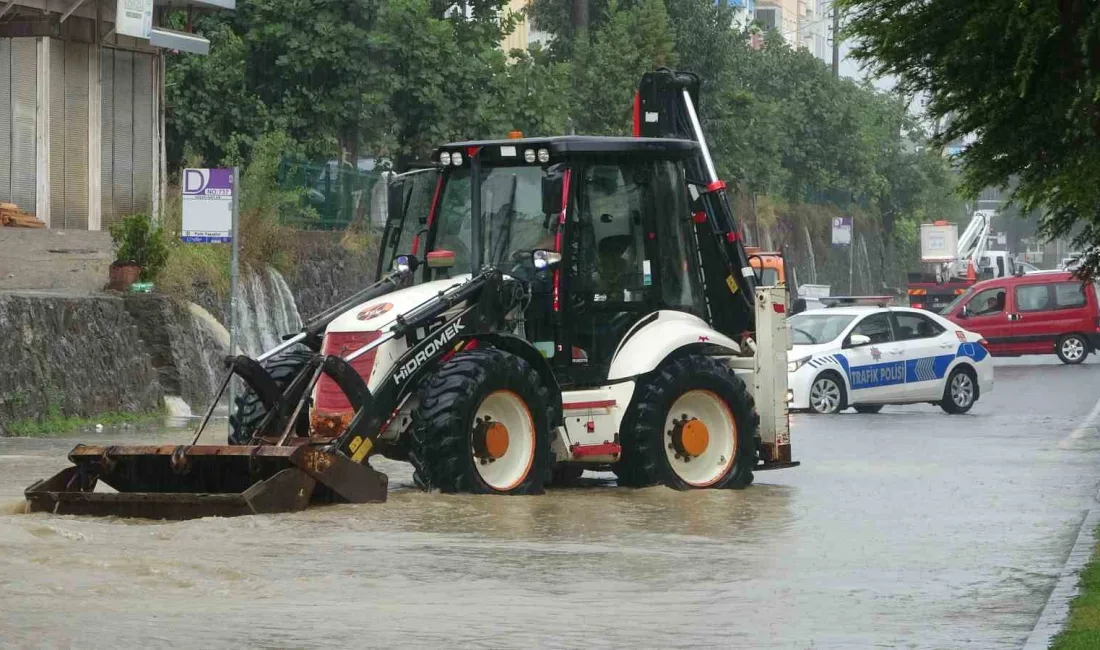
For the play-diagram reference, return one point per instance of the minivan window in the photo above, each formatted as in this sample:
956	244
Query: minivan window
1068	295
1033	297
988	302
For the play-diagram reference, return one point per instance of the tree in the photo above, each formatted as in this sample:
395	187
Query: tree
1021	78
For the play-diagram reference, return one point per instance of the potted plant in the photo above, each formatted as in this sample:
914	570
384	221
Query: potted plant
140	251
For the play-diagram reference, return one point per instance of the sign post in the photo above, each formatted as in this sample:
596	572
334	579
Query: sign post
210	216
842	236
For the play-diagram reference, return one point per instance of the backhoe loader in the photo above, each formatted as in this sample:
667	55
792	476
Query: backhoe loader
565	303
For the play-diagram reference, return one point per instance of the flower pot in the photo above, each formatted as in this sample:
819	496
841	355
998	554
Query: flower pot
123	274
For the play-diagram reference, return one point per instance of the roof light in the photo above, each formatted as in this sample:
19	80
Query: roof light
456	159
515	135
445	158
529	155
544	156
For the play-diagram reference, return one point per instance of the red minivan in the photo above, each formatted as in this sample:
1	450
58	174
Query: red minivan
1034	313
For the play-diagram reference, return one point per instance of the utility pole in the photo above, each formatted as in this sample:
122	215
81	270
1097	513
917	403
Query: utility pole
580	15
836	40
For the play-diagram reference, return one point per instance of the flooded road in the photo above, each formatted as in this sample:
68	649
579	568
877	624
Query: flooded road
908	529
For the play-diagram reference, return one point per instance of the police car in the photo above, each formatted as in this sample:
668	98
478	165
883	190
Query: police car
861	356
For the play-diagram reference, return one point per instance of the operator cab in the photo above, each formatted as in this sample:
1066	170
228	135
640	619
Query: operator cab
614	214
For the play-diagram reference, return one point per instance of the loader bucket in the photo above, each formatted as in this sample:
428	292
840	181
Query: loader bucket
186	482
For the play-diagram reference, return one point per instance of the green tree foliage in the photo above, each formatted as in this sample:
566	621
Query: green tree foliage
1021	78
397	77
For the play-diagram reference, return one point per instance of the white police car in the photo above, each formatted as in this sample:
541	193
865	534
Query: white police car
865	357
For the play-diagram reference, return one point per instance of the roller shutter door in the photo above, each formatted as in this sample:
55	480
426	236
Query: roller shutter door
18	121
128	172
68	135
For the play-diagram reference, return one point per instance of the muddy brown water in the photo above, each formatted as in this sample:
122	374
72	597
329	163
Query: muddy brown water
907	529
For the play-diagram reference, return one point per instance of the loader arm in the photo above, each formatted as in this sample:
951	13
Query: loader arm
665	107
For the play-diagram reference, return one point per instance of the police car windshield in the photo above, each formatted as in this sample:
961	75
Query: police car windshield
811	329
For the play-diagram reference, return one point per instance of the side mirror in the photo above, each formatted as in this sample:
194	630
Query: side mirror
540	259
965	312
405	263
545	259
857	340
553	184
441	259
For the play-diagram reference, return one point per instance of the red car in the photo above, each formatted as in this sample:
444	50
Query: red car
1033	313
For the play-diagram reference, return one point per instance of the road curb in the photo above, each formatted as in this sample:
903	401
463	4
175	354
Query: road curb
1056	610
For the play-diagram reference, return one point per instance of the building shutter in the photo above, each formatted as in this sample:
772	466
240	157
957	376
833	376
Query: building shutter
108	214
143	141
24	120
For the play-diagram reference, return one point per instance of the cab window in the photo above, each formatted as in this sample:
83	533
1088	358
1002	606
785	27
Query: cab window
910	326
611	233
875	327
988	302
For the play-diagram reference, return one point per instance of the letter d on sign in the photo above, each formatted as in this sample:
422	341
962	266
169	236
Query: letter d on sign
194	181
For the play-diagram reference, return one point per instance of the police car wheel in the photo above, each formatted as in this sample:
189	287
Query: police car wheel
960	392
827	394
868	408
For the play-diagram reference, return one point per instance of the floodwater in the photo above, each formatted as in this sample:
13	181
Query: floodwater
908	529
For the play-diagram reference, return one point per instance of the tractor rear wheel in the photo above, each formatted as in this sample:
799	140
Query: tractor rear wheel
249	410
692	425
482	426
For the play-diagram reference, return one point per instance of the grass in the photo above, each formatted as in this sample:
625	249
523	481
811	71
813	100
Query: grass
1082	630
55	424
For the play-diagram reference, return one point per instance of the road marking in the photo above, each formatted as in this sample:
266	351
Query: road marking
1056	611
1084	429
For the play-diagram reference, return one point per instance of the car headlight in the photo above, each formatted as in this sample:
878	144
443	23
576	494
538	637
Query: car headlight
793	366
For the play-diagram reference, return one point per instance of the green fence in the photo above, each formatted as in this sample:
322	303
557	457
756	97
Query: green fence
334	195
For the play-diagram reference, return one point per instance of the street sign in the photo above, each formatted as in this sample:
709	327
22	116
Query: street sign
842	231
134	18
207	206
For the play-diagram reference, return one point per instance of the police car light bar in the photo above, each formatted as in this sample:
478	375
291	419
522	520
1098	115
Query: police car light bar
848	301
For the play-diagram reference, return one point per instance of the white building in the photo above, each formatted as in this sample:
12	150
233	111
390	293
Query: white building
802	23
82	111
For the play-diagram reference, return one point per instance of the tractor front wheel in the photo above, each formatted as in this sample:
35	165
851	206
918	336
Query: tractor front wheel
692	425
482	426
249	409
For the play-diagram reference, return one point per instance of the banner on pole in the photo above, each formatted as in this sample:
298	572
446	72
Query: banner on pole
134	18
208	206
842	231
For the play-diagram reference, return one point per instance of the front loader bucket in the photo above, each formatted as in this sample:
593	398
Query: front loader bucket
185	482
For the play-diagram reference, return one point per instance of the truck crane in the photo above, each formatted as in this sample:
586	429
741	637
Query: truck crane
950	263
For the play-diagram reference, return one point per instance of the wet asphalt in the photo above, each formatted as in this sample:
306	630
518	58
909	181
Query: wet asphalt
905	529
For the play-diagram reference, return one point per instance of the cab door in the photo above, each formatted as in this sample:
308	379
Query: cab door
409	204
987	313
876	370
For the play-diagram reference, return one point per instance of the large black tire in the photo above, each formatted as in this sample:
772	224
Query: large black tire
441	448
643	436
249	410
1073	349
960	392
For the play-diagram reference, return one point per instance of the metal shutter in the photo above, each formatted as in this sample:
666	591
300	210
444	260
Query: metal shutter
5	119
24	99
144	140
57	134
107	138
76	135
123	180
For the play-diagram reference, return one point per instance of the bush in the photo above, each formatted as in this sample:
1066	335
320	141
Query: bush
139	241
